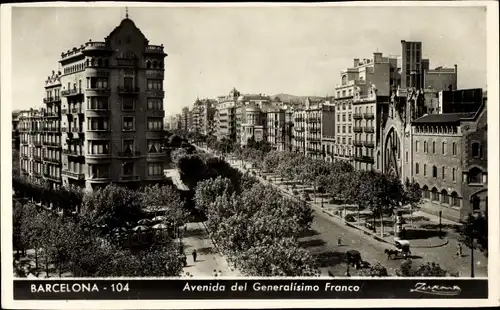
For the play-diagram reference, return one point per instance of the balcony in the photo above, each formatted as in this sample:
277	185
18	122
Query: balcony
357	116
65	111
37	143
369	116
369	144
52	129
155	113
97	46
129	178
313	120
357	129
314	130
73	175
300	129
48	99
71	92
365	159
37	158
156	93
51	114
52	160
369	129
156	155
357	143
77	110
154	49
122	90
52	178
73	152
99	156
76	129
154	73
95	91
51	144
129	154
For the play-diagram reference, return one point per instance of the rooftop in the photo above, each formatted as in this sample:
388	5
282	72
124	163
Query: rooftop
443	118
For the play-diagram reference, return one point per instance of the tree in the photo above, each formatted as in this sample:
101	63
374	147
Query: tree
32	228
177	154
281	258
207	191
167	200
424	270
174	141
475	231
192	170
412	196
112	206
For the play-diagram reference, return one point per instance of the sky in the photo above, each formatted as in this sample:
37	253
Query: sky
268	50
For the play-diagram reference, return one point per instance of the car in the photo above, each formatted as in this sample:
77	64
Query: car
402	250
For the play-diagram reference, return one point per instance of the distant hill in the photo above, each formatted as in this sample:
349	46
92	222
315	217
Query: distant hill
293	98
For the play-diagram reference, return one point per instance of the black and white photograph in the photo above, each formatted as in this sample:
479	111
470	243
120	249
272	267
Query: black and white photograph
338	148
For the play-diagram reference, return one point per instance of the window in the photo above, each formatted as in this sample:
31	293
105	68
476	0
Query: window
155	84
155	169
417	168
443	172
475	175
338	117
128	123
128	104
443	148
98	82
416	146
435	194
128	146
434	171
425	146
98	123
128	168
343	129
455	201
350	129
97	103
433	147
156	104
350	117
454	148
155	124
97	147
343	117
476	150
99	171
406	156
444	197
454	174
128	83
476	203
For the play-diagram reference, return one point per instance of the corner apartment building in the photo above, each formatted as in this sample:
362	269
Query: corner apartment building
225	116
251	106
111	95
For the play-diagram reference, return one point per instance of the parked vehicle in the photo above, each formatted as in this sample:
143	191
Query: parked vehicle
402	250
353	258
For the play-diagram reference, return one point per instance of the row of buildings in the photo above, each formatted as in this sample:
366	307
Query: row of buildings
102	119
392	114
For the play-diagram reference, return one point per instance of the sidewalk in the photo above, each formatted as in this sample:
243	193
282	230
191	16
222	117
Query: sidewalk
209	263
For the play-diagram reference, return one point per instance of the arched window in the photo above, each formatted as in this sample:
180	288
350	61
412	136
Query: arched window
93	62
455	201
434	171
476	150
475	175
444	197
454	148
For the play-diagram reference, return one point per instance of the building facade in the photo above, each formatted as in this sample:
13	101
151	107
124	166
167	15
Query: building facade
103	119
225	116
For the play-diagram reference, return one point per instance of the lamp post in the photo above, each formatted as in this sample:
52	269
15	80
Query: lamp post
440	224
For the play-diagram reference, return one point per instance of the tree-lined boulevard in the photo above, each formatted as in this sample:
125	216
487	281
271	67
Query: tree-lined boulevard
274	219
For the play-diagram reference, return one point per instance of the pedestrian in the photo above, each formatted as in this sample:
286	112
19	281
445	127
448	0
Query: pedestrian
459	250
194	255
339	241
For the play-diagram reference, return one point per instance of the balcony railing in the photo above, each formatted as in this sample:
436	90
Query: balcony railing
37	157
129	178
368	115
96	46
358	129
48	99
73	152
51	114
314	130
52	160
129	154
357	116
154	73
51	143
154	49
369	144
77	110
128	90
72	92
369	129
52	129
357	143
73	175
156	93
101	91
37	143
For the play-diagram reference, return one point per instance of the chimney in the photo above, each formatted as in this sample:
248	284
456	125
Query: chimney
356	62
